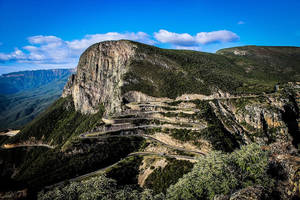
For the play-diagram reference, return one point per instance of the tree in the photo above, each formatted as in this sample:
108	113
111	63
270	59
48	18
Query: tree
220	173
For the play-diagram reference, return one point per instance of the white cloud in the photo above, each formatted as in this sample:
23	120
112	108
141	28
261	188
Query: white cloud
186	40
183	39
241	22
195	48
40	39
216	36
54	50
91	39
17	54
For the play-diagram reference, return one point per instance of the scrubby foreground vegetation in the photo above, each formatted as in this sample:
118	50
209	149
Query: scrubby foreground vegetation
216	174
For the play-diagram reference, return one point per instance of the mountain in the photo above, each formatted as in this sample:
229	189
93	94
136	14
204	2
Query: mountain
26	80
141	122
23	95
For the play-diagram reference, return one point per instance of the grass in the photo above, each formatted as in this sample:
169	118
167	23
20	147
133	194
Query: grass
51	166
59	123
126	172
176	72
215	133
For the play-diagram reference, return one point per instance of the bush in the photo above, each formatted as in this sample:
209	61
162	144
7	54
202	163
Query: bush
220	173
99	187
161	178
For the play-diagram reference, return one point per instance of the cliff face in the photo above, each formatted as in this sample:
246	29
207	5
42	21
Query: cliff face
263	119
115	73
99	76
110	69
181	104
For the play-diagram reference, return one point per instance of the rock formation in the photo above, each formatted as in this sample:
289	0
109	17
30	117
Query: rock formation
99	76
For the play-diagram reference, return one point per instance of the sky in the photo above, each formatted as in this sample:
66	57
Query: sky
46	34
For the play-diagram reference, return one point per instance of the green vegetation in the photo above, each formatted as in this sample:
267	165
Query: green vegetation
126	172
161	73
81	157
151	131
262	59
161	178
59	123
184	134
180	114
24	95
99	187
215	133
10	159
3	139
27	80
168	108
223	174
171	73
214	174
174	103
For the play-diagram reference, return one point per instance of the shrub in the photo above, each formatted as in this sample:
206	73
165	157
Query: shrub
220	173
161	178
99	187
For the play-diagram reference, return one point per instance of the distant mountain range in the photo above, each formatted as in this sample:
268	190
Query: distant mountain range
23	95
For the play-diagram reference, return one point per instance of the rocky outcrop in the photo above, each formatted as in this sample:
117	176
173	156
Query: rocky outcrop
135	96
262	119
99	76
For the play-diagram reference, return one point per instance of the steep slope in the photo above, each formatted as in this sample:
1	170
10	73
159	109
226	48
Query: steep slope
138	111
107	71
25	80
279	64
32	92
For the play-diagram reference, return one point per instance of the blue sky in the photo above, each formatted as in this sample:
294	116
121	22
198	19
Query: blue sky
45	34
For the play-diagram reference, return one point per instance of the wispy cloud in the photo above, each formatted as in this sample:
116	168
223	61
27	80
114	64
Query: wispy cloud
194	48
241	22
51	51
188	41
91	39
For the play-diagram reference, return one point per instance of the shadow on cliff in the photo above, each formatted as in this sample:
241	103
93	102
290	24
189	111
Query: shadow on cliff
290	117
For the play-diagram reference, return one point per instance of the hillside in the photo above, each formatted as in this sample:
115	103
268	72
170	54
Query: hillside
26	80
140	122
23	95
171	73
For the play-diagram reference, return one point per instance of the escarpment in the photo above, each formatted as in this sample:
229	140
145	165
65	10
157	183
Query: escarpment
99	76
145	115
113	72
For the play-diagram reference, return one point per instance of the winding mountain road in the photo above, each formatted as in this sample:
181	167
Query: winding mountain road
135	116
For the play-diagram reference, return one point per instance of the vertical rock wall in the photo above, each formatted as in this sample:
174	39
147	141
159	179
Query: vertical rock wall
99	76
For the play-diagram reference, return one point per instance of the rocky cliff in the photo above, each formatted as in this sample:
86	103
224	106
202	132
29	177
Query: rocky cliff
99	76
107	71
166	110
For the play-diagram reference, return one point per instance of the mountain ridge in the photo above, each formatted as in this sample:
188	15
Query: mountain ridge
142	115
25	94
179	78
